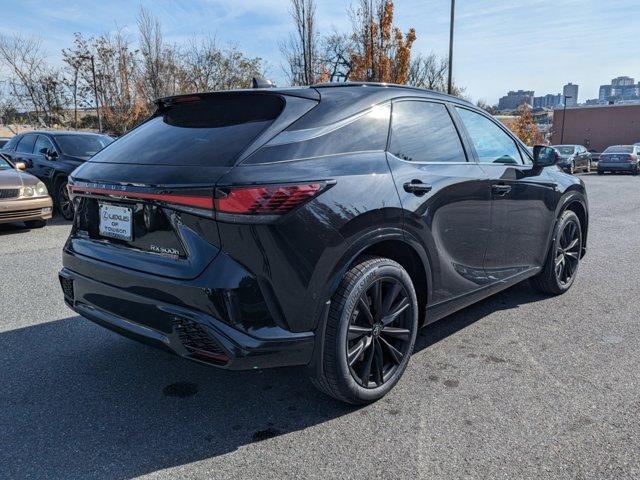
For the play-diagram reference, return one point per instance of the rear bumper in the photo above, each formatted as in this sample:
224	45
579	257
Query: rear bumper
186	332
25	209
617	167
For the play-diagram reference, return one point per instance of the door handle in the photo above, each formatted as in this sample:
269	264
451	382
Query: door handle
416	187
500	190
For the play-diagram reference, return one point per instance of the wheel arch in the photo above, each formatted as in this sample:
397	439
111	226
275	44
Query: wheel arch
395	245
576	201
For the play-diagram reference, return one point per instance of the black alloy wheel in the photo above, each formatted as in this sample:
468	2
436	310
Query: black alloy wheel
65	205
567	254
562	263
370	332
379	333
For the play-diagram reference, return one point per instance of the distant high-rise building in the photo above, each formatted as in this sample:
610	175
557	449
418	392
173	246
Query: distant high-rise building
547	101
622	81
620	88
570	91
514	99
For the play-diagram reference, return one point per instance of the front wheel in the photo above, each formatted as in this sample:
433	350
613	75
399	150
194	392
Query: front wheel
370	332
562	263
65	205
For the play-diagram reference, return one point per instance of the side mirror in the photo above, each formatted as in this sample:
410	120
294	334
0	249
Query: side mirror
544	156
21	166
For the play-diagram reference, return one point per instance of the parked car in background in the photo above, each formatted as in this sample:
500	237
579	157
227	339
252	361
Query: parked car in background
317	226
23	198
573	158
620	158
52	156
3	141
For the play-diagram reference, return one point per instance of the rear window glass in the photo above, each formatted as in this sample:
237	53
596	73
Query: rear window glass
212	131
619	149
564	150
367	132
82	145
11	144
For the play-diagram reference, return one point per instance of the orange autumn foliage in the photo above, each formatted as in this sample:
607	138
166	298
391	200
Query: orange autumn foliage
382	53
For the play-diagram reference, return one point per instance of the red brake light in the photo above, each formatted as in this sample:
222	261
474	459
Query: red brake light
264	200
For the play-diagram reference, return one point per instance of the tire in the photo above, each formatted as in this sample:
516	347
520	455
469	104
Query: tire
36	223
355	344
634	172
600	172
549	280
63	203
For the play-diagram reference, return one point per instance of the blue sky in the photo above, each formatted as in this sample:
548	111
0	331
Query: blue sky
500	45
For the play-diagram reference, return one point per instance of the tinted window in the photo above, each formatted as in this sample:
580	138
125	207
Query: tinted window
367	132
424	132
212	130
492	144
565	149
26	144
82	145
11	144
42	145
619	149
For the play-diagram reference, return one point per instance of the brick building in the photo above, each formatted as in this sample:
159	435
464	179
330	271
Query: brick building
598	127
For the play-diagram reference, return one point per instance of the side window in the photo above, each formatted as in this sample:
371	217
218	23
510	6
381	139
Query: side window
368	132
527	157
424	132
11	144
43	144
26	144
492	144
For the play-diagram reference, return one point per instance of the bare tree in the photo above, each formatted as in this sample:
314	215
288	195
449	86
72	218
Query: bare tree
206	66
301	50
336	56
430	72
158	67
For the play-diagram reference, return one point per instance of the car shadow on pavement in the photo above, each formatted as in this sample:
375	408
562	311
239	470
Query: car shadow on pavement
79	401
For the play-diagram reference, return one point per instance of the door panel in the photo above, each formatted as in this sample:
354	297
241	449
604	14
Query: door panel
521	217
445	199
522	201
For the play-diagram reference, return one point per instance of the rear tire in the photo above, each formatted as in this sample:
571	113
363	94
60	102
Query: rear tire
370	333
563	260
64	203
36	223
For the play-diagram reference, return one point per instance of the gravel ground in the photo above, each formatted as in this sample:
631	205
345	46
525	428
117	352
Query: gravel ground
517	386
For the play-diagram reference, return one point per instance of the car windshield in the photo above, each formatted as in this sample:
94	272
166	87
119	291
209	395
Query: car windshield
82	145
4	165
619	149
565	150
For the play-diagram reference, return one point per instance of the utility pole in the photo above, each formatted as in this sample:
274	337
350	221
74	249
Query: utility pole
450	76
564	115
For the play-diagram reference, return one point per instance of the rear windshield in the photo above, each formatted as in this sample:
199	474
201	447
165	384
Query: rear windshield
209	131
82	145
619	149
565	150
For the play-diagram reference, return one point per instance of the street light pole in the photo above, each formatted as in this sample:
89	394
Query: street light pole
450	76
564	115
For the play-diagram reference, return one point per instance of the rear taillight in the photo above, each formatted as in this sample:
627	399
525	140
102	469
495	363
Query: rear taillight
195	201
264	200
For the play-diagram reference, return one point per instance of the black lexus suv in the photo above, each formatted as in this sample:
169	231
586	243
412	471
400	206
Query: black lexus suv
317	226
52	156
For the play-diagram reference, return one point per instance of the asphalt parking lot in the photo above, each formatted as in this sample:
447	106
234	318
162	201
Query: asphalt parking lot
518	386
